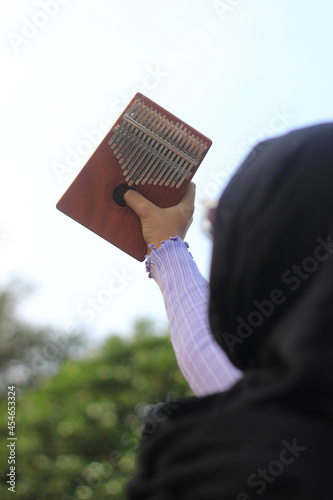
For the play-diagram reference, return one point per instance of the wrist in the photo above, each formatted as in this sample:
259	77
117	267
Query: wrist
157	243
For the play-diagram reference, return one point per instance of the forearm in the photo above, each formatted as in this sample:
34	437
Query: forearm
186	293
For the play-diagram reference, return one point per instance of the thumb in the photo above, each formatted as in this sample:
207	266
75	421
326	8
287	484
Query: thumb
137	202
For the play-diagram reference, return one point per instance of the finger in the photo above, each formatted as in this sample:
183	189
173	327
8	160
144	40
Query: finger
188	197
137	202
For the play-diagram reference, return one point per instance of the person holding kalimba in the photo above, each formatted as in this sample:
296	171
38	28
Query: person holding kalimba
255	343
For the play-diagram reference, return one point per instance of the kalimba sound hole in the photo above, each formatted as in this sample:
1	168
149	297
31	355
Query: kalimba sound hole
118	194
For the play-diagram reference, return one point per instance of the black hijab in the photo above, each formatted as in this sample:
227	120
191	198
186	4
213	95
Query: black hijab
271	309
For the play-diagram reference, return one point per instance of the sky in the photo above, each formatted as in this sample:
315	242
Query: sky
238	71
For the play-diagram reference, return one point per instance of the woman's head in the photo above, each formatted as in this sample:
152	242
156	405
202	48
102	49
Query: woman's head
273	245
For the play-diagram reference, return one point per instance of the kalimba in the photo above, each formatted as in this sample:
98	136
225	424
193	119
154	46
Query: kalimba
147	149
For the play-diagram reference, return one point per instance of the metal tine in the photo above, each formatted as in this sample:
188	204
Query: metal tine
130	143
169	174
165	168
172	172
147	162
122	128
202	149
116	132
135	163
190	147
130	139
140	148
152	147
136	109
155	120
127	138
140	144
187	171
163	153
170	133
179	139
185	143
144	151
142	118
174	178
186	174
154	161
191	138
196	148
160	161
135	143
141	111
130	166
158	125
161	130
183	173
180	172
122	132
126	134
177	134
158	167
153	143
177	165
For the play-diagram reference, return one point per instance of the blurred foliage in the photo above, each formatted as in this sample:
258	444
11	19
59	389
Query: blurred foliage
28	352
78	431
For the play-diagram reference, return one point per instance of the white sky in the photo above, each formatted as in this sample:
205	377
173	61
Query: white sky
236	70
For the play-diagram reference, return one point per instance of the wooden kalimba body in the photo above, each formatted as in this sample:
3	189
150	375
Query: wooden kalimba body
147	149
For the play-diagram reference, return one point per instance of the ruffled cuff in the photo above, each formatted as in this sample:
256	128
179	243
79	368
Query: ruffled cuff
168	249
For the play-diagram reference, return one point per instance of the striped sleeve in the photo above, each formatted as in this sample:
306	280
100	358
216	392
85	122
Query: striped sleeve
203	363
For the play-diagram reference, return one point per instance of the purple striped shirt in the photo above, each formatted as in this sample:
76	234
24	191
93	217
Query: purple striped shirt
203	363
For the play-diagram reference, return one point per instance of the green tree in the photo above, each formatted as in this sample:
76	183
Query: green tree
78	431
28	352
